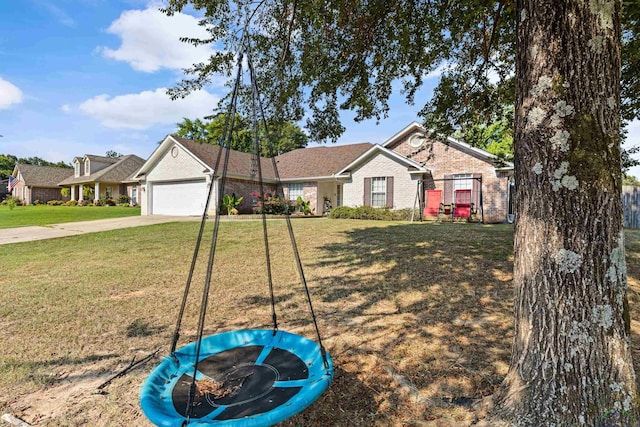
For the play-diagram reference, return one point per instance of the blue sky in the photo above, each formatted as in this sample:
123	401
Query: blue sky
87	76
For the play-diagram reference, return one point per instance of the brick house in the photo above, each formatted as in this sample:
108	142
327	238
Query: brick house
176	178
454	165
38	183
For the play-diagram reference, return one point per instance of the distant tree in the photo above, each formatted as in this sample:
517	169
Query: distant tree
630	180
285	136
113	154
9	161
495	137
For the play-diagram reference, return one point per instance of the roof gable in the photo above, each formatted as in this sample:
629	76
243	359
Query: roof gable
377	149
462	146
239	164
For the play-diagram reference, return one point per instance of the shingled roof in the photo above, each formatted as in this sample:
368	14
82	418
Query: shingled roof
43	176
239	162
121	169
316	162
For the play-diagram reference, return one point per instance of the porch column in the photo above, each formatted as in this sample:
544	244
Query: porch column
73	192
96	193
80	191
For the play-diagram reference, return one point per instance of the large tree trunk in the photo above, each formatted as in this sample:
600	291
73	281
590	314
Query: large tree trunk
571	360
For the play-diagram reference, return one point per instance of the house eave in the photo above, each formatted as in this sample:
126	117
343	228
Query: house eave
309	178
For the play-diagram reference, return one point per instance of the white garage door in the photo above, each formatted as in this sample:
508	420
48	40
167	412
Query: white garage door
179	198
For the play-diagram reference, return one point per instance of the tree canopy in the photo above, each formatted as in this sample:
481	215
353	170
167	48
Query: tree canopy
327	56
285	136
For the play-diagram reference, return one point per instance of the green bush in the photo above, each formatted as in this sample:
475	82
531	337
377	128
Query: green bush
71	203
82	203
274	205
108	202
12	202
342	212
230	203
123	199
367	212
54	202
302	206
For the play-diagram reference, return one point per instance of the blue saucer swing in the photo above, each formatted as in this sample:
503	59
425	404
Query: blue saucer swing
244	378
273	377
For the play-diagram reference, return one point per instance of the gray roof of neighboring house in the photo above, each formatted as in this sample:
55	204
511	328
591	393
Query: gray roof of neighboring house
315	162
119	171
103	159
311	162
43	176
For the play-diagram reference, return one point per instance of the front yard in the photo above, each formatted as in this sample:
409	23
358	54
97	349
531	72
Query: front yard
417	317
22	216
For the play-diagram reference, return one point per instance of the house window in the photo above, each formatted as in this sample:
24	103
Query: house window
379	192
87	167
462	181
107	192
295	191
134	196
76	169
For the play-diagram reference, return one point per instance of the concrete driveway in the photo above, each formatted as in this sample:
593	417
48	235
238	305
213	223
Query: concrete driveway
28	234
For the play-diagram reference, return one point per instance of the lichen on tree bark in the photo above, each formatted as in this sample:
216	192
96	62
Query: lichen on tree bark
571	361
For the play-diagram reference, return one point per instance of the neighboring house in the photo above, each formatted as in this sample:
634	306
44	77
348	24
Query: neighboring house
176	178
108	177
38	183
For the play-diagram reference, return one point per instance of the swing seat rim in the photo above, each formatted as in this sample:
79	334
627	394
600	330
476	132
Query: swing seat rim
155	393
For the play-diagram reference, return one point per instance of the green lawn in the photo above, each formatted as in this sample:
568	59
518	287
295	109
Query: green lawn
417	317
22	216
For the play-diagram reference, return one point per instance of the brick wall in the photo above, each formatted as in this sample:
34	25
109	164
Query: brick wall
244	189
46	194
443	159
309	194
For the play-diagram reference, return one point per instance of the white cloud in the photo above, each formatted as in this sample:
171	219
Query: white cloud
150	40
9	94
66	108
149	108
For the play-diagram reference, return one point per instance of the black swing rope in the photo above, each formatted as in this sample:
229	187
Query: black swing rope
258	117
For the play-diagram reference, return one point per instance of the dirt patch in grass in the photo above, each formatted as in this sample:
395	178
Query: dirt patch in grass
417	317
